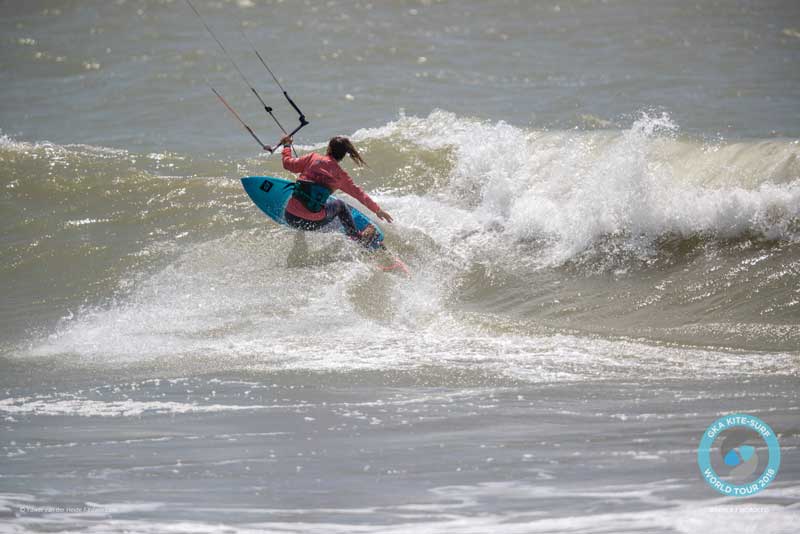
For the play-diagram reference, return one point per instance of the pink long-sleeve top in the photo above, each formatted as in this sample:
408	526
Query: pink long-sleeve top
326	171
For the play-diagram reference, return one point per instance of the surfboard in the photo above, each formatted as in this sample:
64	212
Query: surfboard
271	194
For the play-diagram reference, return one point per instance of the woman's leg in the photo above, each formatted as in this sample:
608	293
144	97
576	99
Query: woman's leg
335	208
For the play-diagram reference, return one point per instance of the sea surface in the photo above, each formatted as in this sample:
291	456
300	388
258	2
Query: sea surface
599	203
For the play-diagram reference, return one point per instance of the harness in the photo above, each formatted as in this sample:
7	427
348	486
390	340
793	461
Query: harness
310	194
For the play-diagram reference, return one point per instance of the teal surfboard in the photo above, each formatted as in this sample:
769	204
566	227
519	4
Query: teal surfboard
271	194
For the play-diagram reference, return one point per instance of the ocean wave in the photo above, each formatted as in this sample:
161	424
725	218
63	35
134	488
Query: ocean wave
205	313
569	190
633	233
574	189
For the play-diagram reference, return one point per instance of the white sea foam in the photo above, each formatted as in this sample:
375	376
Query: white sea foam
121	408
204	313
576	188
55	150
450	509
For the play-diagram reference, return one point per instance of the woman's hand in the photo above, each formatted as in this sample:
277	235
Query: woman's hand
286	140
383	215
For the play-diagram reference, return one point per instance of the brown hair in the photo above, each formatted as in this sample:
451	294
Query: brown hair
339	146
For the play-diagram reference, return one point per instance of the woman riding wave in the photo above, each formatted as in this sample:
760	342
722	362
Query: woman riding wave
311	207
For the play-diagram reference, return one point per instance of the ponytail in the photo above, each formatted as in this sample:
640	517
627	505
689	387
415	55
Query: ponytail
339	146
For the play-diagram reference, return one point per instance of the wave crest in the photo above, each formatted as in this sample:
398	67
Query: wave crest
574	189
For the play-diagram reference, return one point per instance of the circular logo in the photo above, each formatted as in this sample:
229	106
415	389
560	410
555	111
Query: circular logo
739	455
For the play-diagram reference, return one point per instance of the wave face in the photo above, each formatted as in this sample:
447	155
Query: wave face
536	255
